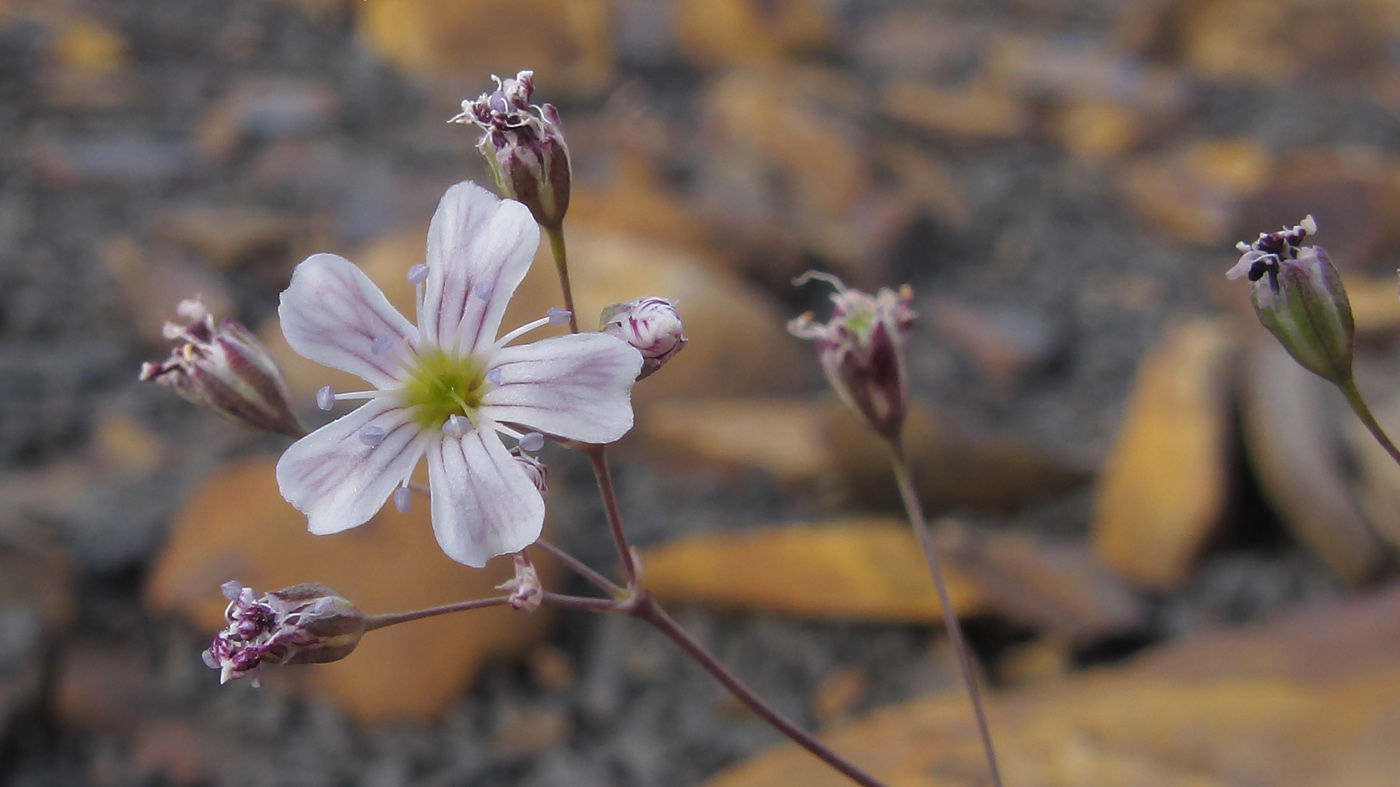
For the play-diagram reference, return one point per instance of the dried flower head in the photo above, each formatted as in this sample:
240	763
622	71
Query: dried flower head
523	146
448	388
652	325
526	592
224	369
861	349
302	624
1298	295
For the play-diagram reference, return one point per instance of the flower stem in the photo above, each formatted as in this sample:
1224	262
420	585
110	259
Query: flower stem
647	609
1358	406
561	264
583	569
394	618
598	457
950	618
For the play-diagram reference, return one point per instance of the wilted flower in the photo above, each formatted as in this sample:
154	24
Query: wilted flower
649	324
1299	297
224	369
526	592
302	624
861	350
525	153
446	388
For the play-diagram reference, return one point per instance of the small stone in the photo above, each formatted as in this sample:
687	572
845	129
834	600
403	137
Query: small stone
524	732
839	693
266	108
975	113
1005	344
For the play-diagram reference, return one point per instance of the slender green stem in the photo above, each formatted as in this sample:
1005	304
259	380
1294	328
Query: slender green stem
597	456
950	618
1358	406
394	618
561	264
647	609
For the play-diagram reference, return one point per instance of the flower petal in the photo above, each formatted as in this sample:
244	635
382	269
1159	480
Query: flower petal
483	503
337	480
332	314
578	387
478	245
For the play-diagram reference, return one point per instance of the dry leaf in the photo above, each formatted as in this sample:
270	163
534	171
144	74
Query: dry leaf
713	32
1313	699
976	113
873	569
1291	426
783	437
1163	487
237	526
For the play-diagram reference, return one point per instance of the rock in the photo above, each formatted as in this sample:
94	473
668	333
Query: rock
266	108
1005	344
119	160
968	114
1164	486
719	32
237	526
461	42
1291	428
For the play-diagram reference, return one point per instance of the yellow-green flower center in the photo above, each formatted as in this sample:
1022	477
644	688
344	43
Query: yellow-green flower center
440	386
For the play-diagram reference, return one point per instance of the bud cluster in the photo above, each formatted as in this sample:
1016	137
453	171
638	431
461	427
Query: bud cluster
525	152
302	624
861	350
1298	295
224	369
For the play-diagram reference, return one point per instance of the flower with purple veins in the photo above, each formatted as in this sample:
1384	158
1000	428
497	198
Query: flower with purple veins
302	624
448	388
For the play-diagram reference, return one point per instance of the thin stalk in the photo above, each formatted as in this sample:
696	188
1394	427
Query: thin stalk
1358	406
582	569
950	618
394	618
583	602
561	264
647	609
597	456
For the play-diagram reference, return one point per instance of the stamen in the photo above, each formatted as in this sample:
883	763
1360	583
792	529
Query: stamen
557	316
372	435
418	273
483	290
381	345
402	499
494	377
533	441
452	427
325	397
524	329
352	395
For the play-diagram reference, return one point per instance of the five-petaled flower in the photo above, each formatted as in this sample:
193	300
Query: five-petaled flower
448	388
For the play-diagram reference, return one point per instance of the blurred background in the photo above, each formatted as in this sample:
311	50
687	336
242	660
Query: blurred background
1143	502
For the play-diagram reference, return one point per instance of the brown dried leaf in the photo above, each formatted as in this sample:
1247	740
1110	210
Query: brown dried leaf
712	32
1163	488
1291	426
1311	699
783	437
873	569
237	526
977	113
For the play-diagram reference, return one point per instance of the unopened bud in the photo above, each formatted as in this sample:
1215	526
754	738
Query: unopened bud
1299	297
225	369
652	325
523	146
534	469
861	350
302	624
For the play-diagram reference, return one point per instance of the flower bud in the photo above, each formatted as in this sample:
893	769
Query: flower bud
534	469
861	350
302	624
1299	297
525	153
649	324
225	370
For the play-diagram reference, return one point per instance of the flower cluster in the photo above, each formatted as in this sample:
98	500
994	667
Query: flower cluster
861	349
1298	295
447	388
224	369
525	152
302	624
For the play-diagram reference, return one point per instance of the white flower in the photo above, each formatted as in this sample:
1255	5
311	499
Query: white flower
447	388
